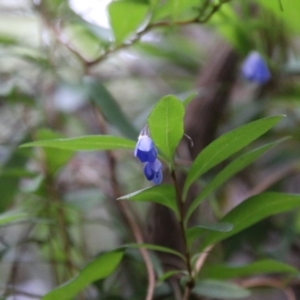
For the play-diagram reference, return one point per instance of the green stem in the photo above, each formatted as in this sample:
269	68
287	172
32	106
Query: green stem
180	203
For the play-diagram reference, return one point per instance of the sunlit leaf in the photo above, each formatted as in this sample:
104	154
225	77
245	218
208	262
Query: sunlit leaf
166	124
226	145
126	17
85	143
288	12
99	268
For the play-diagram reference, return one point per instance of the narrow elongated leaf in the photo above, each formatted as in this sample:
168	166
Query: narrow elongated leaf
226	145
54	158
99	268
231	169
126	17
163	194
198	230
258	267
168	274
166	124
251	211
110	108
220	290
155	248
12	216
85	143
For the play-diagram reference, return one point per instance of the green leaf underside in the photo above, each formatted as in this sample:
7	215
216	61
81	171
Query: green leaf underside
166	125
85	143
198	230
155	248
126	17
258	267
163	194
251	211
226	145
99	268
219	290
12	216
231	169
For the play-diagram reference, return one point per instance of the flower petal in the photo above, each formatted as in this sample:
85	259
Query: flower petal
145	143
158	177
255	69
149	173
156	166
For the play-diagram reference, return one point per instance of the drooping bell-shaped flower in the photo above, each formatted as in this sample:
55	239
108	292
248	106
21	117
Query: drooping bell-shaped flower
145	149
153	171
255	69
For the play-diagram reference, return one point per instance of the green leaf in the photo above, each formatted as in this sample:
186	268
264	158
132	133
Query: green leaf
176	10
287	12
163	194
220	290
85	143
231	169
155	248
229	25
226	145
251	211
169	274
12	216
166	124
54	158
101	267
194	232
110	108
259	267
9	185
126	17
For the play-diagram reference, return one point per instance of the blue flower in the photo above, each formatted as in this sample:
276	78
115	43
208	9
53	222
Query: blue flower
145	149
255	69
153	171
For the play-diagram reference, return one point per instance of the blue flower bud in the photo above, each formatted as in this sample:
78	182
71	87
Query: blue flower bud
153	171
145	149
255	69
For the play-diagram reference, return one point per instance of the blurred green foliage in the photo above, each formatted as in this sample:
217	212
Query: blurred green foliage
68	82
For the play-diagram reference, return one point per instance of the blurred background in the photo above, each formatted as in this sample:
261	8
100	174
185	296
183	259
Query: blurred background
63	75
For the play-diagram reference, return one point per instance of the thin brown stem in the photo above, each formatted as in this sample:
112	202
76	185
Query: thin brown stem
180	203
270	282
197	20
